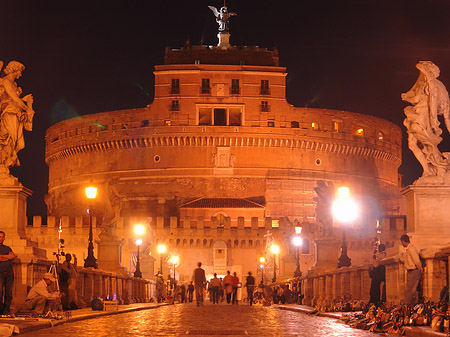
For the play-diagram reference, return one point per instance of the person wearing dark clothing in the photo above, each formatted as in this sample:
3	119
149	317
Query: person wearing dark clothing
190	290
6	276
199	279
378	276
250	284
183	293
214	285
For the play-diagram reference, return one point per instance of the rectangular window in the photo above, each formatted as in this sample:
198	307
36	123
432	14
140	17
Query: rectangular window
264	89
168	122
265	106
204	116
235	116
175	87
235	90
220	117
206	88
295	124
336	126
175	105
315	126
271	123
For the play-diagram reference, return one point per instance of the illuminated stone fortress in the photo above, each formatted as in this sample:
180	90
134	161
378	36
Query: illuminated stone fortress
215	162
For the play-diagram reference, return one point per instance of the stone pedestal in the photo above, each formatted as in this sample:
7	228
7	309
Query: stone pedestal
326	253
224	39
31	261
427	215
109	251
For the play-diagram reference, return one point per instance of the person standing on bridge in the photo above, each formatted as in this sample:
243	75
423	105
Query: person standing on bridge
235	286
227	284
250	284
199	279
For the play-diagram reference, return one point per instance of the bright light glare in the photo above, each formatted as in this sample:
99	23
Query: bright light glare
139	229
298	229
175	259
297	241
262	259
275	249
345	210
261	266
343	192
139	242
161	249
91	192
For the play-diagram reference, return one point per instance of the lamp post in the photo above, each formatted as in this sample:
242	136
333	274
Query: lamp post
298	241
174	260
161	251
138	272
139	230
90	261
262	261
275	250
344	210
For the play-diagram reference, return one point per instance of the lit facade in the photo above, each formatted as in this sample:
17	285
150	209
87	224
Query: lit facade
220	158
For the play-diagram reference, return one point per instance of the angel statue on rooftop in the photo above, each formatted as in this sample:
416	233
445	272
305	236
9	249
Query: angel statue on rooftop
222	17
16	114
430	99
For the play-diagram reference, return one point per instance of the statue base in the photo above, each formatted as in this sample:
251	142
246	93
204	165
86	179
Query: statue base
427	215
326	252
109	248
224	39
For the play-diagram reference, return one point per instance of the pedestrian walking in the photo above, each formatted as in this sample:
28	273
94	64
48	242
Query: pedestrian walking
227	284
190	290
378	275
183	293
214	284
250	284
235	286
221	290
39	299
199	280
6	276
410	257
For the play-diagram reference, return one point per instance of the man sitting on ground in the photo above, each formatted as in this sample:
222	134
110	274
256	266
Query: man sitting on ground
39	298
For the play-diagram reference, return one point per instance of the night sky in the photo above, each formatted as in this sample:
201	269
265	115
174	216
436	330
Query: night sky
84	57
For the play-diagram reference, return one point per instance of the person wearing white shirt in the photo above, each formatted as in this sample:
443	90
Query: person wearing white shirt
411	259
40	298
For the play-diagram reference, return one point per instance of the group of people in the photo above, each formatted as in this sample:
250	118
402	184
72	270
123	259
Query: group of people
44	295
410	257
219	288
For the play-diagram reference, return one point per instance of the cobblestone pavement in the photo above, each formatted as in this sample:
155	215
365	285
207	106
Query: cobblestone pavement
208	320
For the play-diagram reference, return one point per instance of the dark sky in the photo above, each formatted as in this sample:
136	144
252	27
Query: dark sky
84	57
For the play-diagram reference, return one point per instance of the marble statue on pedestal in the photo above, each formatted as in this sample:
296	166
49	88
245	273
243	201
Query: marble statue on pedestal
16	114
324	201
113	205
430	99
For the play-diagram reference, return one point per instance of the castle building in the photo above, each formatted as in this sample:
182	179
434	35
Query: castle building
220	165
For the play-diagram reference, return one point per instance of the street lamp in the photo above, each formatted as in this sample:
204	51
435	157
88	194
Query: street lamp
174	261
344	210
139	230
138	272
297	241
275	250
262	261
161	251
90	261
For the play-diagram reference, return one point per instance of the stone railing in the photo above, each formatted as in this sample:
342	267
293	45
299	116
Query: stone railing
344	284
90	283
353	283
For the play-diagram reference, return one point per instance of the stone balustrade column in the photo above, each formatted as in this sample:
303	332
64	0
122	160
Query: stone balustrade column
346	291
355	284
88	290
